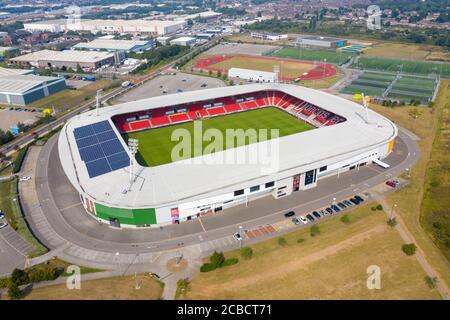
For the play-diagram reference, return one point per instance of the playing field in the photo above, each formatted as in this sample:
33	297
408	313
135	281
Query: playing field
313	55
155	145
290	69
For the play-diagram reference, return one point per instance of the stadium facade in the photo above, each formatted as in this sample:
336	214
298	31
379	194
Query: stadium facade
96	160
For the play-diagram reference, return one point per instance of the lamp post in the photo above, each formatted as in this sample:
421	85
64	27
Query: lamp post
392	211
118	259
133	147
242	238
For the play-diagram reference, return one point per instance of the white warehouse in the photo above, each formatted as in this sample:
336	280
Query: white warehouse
252	75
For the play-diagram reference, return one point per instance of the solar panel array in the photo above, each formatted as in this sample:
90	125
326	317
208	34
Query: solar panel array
100	148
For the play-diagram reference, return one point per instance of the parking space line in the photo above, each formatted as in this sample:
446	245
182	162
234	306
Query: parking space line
201	223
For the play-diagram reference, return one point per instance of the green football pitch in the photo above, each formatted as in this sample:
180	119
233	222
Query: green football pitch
156	145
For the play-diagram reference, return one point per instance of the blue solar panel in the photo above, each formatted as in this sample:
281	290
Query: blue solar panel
86	142
98	167
100	148
107	135
119	160
83	132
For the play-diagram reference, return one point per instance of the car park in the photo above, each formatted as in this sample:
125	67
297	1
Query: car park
303	220
237	236
316	214
359	198
341	205
310	218
335	208
3	224
347	203
295	221
289	214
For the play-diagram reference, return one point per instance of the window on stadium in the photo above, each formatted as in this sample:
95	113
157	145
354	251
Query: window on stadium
309	177
254	188
323	168
238	192
270	184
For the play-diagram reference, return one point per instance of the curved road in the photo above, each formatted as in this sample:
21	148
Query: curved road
69	222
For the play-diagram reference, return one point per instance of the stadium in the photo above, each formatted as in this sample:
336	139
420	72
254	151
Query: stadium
319	135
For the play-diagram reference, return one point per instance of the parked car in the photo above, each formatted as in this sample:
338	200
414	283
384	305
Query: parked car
347	203
24	178
203	85
316	214
295	221
396	182
289	214
3	224
335	208
341	205
303	220
237	236
391	184
323	213
359	198
310	218
329	210
2	215
354	201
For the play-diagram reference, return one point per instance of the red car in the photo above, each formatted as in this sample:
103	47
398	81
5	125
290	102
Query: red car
391	184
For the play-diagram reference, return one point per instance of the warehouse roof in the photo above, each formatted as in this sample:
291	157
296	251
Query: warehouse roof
184	181
112	44
20	84
66	55
12	72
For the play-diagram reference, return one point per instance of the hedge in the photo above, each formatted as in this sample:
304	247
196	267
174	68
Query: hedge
19	160
230	262
206	267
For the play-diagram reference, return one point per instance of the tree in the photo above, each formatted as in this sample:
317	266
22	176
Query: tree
217	259
409	249
14	292
431	281
246	253
19	277
314	230
392	222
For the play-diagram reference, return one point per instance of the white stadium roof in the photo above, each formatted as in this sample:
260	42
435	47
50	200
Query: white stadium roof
181	181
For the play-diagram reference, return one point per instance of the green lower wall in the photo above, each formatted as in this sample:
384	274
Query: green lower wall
127	216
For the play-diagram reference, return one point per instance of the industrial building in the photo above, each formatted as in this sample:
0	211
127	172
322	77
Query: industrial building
4	72
321	42
22	89
95	157
269	36
252	75
116	45
183	41
165	41
148	27
68	59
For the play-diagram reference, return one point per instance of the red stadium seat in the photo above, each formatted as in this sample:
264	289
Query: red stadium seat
139	125
232	107
159	121
216	111
180	117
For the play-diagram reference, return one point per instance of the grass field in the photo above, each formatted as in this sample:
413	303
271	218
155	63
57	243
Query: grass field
313	55
409	66
288	69
117	288
331	265
415	206
155	145
400	51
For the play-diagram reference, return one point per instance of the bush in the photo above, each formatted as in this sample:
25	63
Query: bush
217	259
4	283
19	160
409	249
246	253
314	231
392	222
282	241
301	240
345	219
230	262
14	292
19	277
379	207
206	267
431	282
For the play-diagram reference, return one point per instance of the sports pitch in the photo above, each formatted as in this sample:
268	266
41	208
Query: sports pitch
155	145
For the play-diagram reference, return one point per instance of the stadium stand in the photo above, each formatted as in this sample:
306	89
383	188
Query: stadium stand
302	110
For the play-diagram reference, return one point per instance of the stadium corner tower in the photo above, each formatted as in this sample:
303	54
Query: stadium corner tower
96	159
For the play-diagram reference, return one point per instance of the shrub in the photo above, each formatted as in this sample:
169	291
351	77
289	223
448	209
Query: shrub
14	292
230	262
392	222
182	286
19	277
409	249
217	259
314	231
300	240
282	241
379	207
373	208
19	160
246	253
4	282
431	282
206	267
345	219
